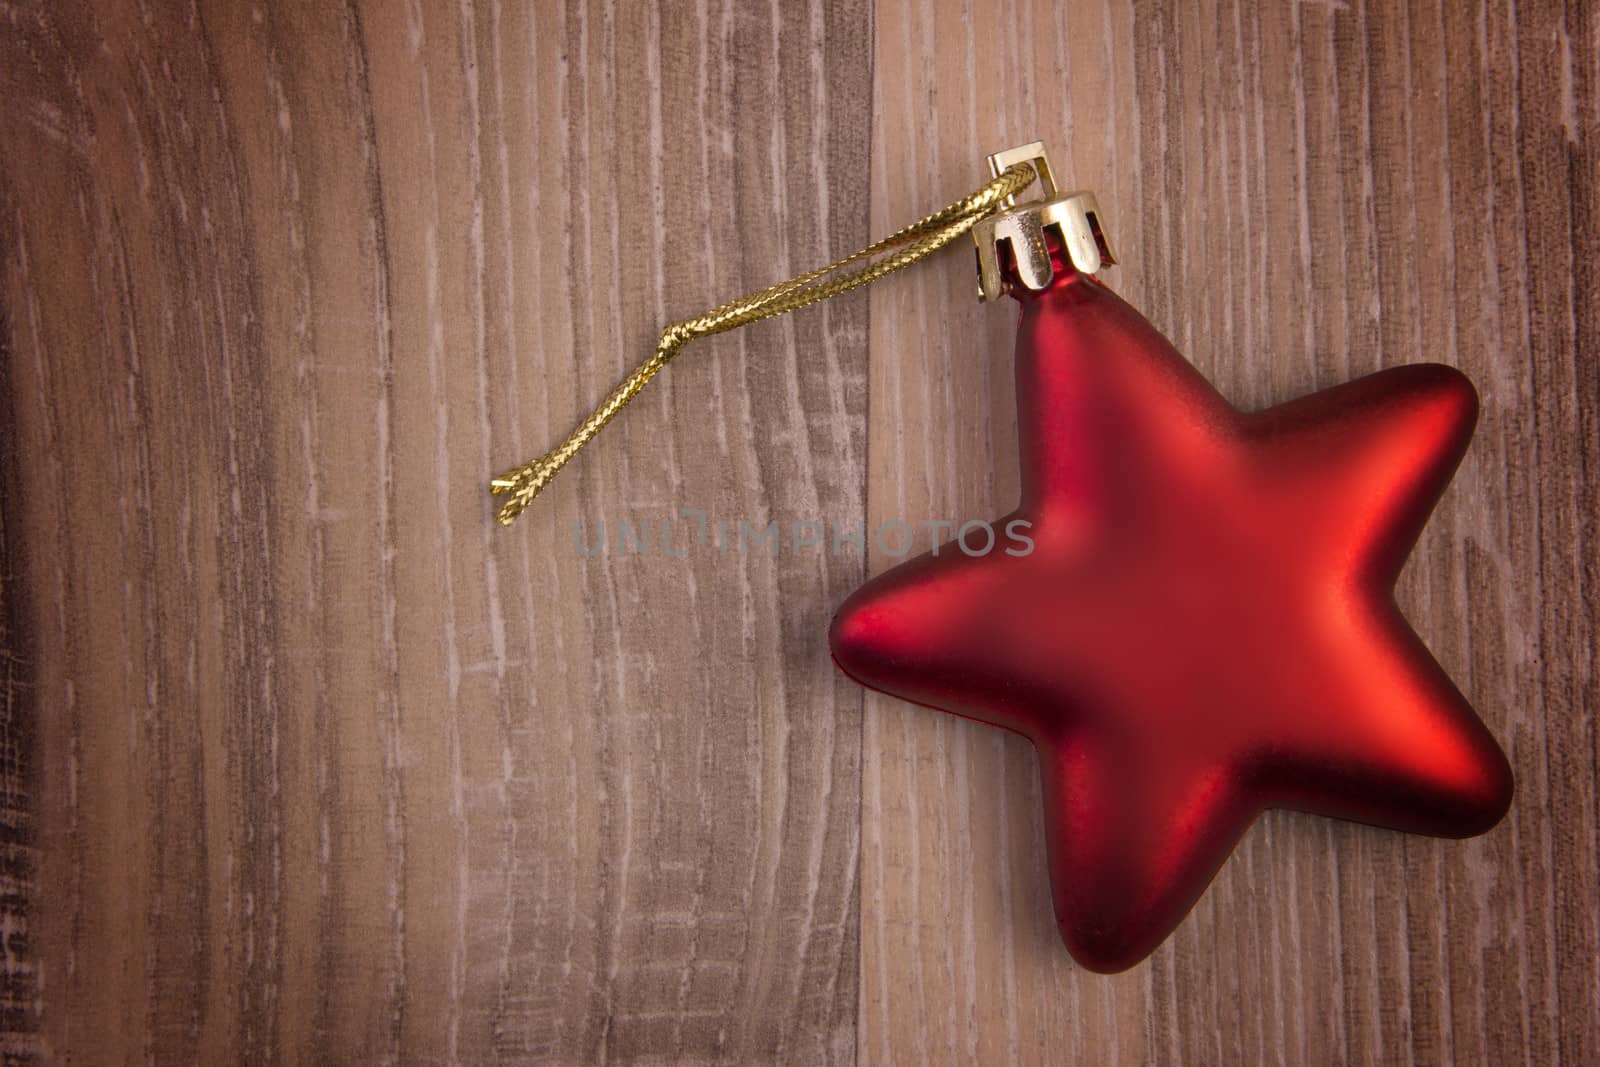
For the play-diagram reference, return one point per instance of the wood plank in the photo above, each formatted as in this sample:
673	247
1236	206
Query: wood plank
1300	194
330	769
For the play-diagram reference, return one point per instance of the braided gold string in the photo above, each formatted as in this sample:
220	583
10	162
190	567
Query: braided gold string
916	241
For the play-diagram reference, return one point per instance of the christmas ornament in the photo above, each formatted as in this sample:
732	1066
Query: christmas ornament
1206	625
1202	624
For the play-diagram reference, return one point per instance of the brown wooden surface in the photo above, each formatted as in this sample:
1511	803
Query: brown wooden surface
1301	193
302	760
332	768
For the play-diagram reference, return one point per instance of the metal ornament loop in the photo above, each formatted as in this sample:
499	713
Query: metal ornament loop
1074	216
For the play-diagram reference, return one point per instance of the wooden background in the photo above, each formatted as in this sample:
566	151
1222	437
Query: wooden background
302	760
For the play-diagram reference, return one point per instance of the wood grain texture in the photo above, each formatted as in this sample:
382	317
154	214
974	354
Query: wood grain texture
332	769
301	760
1301	193
19	852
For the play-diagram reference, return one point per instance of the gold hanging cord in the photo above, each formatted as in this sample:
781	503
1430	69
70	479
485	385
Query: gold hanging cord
917	241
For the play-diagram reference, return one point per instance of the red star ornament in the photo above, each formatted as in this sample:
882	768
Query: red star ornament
1205	626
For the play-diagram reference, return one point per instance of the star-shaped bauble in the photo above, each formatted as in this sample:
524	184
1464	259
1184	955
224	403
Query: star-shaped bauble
1205	625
